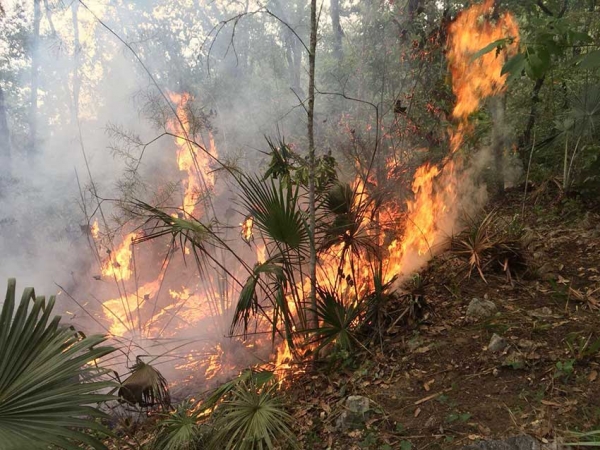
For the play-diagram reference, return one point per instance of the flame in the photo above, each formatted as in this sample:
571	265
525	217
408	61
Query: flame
95	230
434	209
475	79
196	163
349	271
119	261
261	253
247	226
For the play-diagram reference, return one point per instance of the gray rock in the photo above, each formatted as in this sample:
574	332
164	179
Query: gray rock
542	313
523	442
357	404
480	309
497	343
356	413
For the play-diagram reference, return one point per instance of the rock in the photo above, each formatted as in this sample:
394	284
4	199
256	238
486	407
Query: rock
515	360
497	343
356	413
480	309
357	404
542	313
523	442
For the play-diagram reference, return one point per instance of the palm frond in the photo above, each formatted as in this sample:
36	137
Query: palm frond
180	429
145	387
337	321
258	378
248	305
47	382
252	419
275	208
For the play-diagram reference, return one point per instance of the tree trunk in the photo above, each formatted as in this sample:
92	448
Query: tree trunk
311	160
338	33
525	139
498	105
4	138
37	16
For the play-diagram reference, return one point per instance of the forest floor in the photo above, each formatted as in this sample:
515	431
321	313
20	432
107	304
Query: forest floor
435	384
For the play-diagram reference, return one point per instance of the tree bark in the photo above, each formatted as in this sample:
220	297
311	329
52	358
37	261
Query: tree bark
5	153
37	16
525	138
498	142
311	160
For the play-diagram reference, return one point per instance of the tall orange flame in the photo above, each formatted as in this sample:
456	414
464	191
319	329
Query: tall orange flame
195	162
434	210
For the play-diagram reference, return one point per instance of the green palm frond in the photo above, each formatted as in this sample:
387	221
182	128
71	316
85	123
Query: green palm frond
145	387
47	381
180	429
252	419
349	223
274	206
248	305
187	230
337	321
258	378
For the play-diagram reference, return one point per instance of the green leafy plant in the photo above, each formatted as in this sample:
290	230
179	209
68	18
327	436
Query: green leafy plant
252	418
48	379
181	429
564	369
337	321
582	348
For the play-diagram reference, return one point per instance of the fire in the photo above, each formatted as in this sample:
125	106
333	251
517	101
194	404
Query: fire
119	261
247	226
349	271
474	80
261	253
196	163
434	209
95	230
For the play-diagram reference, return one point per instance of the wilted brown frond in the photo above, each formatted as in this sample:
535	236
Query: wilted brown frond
490	242
145	387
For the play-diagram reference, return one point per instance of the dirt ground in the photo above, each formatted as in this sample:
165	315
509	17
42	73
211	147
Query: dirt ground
434	384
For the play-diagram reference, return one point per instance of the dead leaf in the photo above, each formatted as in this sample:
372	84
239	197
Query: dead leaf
549	403
427	385
593	375
417	412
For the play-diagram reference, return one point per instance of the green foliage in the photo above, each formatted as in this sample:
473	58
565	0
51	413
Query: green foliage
48	378
252	418
274	207
181	429
549	40
256	378
338	322
582	348
564	369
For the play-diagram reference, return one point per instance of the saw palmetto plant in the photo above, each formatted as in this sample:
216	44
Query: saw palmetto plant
49	383
490	242
182	429
338	322
252	418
